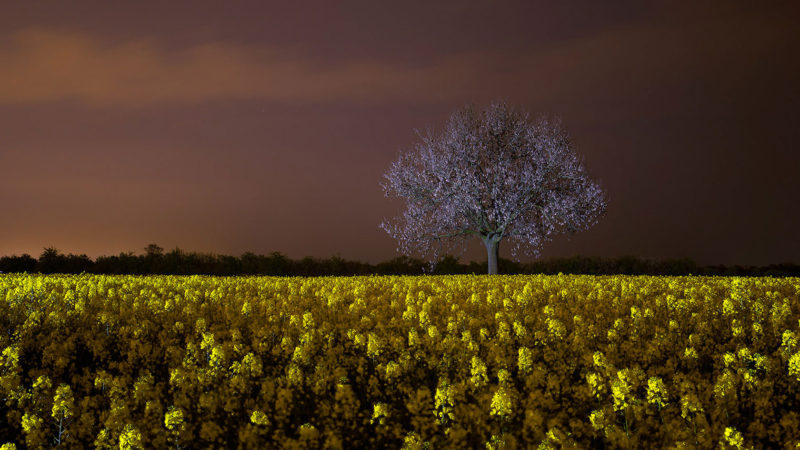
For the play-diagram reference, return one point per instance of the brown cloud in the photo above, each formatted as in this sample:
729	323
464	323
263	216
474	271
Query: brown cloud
642	61
46	65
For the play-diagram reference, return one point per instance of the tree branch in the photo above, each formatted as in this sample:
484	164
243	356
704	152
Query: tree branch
463	232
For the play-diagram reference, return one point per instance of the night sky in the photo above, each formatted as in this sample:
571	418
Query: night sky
228	127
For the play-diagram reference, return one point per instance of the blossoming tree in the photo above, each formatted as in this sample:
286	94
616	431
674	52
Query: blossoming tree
493	174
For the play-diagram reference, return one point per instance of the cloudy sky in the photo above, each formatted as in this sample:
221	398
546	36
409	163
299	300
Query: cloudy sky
239	126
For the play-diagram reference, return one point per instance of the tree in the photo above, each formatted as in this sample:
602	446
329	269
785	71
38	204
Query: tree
495	175
51	261
153	251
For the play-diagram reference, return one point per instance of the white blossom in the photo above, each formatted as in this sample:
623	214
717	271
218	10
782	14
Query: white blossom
492	174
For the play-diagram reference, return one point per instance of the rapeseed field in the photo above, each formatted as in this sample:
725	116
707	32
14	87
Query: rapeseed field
399	362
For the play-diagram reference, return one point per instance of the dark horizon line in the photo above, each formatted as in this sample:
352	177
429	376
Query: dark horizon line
177	249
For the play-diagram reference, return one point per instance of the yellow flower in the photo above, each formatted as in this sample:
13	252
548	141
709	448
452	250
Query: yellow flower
690	405
31	422
729	359
744	354
519	330
657	392
373	345
130	438
360	340
63	402
173	419
252	364
725	386
599	360
502	403
259	418
728	308
788	341
556	328
393	370
794	365
734	438
596	384
380	411
208	341
525	359
423	318
444	402
413	338
308	321
295	375
620	391
598	419
452	326
484	333
479	377
736	328
503	331
217	358
10	357
412	441
43	382
503	377
410	313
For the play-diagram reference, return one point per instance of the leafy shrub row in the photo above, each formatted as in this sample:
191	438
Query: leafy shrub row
179	262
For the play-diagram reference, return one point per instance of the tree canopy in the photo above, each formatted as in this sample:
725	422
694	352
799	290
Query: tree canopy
494	174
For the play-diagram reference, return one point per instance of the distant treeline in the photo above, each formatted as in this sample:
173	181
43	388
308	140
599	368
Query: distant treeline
179	262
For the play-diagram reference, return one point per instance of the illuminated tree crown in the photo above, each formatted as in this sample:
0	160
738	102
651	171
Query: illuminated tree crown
494	174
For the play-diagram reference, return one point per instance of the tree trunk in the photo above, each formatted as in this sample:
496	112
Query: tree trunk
492	246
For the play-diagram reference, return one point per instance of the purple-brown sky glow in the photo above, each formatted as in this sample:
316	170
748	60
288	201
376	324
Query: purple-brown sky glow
238	126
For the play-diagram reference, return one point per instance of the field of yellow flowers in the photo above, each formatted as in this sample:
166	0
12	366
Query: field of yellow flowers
412	362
